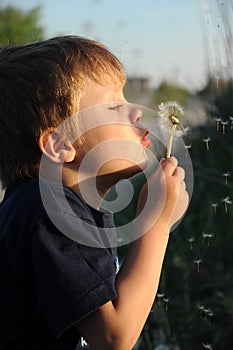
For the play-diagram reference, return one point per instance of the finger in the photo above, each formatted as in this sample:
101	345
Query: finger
181	173
162	160
169	166
182	187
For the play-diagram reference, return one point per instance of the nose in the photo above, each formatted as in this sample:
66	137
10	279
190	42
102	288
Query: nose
135	114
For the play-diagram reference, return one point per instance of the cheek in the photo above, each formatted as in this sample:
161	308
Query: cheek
126	132
107	133
111	140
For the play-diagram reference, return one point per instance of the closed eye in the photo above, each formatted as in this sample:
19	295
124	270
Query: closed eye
115	107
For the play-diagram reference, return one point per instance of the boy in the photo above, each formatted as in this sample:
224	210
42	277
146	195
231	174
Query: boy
56	288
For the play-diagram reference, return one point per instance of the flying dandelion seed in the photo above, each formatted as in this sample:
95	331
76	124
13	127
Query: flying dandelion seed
218	121
207	236
224	124
208	17
209	315
159	296
201	308
191	240
198	261
187	147
214	206
231	120
166	300
217	77
226	175
206	141
226	202
172	112
207	346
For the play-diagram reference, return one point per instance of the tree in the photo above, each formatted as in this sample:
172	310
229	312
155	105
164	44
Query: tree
19	27
167	91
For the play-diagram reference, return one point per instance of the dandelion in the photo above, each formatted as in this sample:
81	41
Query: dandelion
171	111
218	121
214	206
224	124
226	202
226	175
206	141
198	261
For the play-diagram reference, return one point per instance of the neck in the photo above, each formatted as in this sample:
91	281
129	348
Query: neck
93	188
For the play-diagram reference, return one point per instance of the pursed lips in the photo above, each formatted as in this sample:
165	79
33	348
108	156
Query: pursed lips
145	141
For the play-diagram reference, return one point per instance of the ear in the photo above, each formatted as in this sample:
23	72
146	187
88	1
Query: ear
55	147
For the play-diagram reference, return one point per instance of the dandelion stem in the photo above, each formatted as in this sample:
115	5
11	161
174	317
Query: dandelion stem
169	147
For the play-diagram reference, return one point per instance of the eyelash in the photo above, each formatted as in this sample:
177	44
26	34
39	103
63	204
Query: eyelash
114	108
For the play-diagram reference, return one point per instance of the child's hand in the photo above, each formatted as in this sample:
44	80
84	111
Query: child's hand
166	193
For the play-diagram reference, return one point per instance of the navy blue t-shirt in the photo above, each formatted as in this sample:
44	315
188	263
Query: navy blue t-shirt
48	280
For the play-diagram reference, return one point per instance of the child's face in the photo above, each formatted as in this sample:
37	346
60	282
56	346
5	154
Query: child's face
115	141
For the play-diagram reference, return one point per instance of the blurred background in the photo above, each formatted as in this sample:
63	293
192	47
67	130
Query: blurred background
172	50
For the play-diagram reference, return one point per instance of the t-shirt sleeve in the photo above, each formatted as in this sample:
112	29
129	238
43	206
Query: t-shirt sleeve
70	280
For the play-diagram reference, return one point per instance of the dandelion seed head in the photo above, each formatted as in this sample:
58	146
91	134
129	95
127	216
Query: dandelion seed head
171	112
171	109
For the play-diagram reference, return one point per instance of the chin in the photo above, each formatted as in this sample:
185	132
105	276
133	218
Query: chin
133	169
121	168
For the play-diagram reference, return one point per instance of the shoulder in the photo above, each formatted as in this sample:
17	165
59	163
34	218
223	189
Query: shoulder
22	203
75	218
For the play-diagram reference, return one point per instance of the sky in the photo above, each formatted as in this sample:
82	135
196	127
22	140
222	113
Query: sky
156	39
